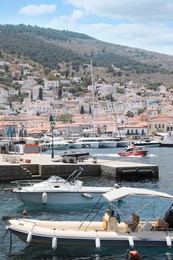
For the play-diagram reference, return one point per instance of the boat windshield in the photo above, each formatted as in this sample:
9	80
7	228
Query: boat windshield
55	179
129	149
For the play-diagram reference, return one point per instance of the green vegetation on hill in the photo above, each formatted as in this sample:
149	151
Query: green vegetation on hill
51	48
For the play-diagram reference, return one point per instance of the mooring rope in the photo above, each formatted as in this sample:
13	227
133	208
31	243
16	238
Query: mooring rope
3	236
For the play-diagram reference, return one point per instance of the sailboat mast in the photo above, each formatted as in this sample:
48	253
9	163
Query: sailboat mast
92	82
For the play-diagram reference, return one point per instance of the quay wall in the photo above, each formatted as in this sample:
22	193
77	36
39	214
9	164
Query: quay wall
39	166
64	170
16	172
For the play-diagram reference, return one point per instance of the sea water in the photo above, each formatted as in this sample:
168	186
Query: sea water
9	205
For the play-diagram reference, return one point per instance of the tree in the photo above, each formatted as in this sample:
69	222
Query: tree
6	68
130	114
40	94
65	117
31	95
90	111
67	73
82	110
60	92
51	118
40	81
141	110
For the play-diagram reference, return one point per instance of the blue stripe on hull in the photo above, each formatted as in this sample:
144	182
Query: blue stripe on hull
90	242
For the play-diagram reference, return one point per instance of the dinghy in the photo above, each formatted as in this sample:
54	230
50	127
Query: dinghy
110	231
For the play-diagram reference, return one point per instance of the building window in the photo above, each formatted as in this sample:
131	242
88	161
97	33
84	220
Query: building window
155	126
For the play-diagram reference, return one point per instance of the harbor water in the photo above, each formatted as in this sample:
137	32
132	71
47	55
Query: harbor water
9	205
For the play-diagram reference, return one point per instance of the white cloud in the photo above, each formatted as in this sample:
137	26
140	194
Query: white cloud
133	10
154	38
135	23
32	10
66	22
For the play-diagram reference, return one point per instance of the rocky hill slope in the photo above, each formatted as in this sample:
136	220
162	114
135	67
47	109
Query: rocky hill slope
52	48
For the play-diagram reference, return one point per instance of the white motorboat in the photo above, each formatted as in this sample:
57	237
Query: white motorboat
147	142
166	139
97	142
110	232
73	144
58	143
56	191
121	140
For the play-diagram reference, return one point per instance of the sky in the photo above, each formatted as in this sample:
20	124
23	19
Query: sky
144	24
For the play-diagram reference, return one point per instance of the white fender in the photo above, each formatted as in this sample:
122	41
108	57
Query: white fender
168	241
44	197
87	195
29	237
131	242
54	243
97	242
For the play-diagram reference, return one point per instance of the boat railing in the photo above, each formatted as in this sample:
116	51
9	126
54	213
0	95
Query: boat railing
22	183
75	175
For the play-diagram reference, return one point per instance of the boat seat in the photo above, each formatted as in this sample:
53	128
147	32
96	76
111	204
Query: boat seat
133	222
147	226
105	224
161	223
112	224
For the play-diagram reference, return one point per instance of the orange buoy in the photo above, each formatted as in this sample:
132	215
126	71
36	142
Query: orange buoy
25	212
134	255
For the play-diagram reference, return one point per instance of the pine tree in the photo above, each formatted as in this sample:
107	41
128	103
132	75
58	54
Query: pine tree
40	94
82	110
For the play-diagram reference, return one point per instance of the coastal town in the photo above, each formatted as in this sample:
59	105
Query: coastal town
101	108
86	130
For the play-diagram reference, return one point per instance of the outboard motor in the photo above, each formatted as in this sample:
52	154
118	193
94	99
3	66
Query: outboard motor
169	217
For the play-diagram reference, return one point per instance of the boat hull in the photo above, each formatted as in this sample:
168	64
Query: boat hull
61	199
76	237
148	144
140	153
107	144
56	147
166	145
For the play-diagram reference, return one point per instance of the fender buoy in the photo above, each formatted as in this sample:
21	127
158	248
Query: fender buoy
54	243
131	242
87	196
168	241
97	242
44	198
29	237
134	255
25	212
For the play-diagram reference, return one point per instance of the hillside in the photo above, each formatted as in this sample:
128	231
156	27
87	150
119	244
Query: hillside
51	48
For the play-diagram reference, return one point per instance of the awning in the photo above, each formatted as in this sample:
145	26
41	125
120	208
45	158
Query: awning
120	193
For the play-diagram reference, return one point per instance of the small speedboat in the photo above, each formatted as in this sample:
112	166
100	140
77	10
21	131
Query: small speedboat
109	231
134	151
59	192
147	142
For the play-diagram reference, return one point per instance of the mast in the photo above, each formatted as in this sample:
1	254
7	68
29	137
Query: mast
92	82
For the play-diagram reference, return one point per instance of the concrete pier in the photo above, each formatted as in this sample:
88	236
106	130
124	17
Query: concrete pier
28	166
